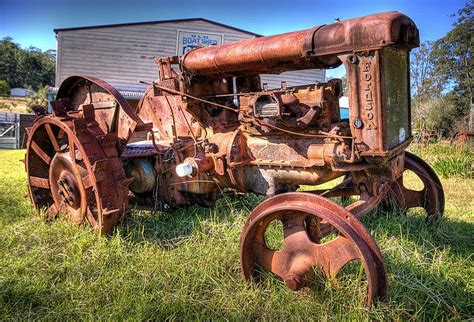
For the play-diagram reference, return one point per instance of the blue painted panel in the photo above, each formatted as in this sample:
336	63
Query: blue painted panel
344	112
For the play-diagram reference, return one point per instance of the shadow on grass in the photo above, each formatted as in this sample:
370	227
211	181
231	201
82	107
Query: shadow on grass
18	300
447	232
426	264
170	229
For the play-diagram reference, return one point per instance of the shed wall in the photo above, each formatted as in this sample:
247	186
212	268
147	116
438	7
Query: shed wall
123	55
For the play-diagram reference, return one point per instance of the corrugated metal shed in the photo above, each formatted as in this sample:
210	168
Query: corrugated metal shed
21	92
123	54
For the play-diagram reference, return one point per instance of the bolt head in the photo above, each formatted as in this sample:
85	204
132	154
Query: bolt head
358	123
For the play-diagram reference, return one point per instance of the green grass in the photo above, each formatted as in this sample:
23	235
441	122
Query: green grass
448	160
185	264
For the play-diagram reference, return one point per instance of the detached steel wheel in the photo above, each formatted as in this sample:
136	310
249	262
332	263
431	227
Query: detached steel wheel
305	219
73	170
430	197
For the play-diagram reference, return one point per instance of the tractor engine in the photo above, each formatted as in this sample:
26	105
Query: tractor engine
224	129
241	141
208	125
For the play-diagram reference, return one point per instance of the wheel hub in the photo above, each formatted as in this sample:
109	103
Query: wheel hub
68	190
66	187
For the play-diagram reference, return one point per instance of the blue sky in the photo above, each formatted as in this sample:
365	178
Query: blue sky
31	23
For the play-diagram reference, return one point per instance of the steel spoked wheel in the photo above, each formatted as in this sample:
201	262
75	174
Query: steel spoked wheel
430	197
304	249
73	169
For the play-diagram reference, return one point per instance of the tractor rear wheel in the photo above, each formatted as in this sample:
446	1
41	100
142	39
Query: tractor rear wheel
73	169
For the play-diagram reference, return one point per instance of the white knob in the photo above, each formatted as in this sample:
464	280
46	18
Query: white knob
184	169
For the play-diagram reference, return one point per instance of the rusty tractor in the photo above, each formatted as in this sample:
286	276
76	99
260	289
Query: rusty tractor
208	124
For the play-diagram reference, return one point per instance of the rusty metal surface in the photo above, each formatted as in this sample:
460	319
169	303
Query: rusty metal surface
303	49
73	169
303	250
461	138
112	112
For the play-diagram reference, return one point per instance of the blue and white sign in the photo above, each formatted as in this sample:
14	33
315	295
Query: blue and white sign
188	40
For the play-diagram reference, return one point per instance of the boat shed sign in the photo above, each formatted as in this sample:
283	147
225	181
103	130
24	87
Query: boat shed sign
188	40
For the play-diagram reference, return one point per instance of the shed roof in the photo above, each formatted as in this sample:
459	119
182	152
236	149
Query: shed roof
126	94
157	22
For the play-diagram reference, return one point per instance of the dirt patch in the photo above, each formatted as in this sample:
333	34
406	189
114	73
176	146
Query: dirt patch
13	105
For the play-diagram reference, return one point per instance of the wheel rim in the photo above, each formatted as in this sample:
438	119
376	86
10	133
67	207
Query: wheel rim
71	172
302	250
430	198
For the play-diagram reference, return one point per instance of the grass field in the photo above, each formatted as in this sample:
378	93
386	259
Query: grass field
185	265
13	105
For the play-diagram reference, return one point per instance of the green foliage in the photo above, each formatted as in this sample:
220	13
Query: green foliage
26	67
40	98
4	88
185	265
448	160
453	57
441	78
455	166
4	106
345	88
453	53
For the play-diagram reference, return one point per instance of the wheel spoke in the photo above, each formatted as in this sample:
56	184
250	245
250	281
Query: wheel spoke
334	255
270	260
40	152
52	211
413	198
39	182
72	148
313	228
292	223
87	181
52	138
91	218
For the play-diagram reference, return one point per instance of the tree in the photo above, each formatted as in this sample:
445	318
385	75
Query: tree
345	88
425	84
426	87
441	78
4	88
40	98
453	57
9	62
26	67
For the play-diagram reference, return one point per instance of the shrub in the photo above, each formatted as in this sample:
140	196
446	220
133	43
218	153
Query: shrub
448	160
4	88
40	98
4	106
455	166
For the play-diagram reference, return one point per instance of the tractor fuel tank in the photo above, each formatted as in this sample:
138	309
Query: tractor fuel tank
317	47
